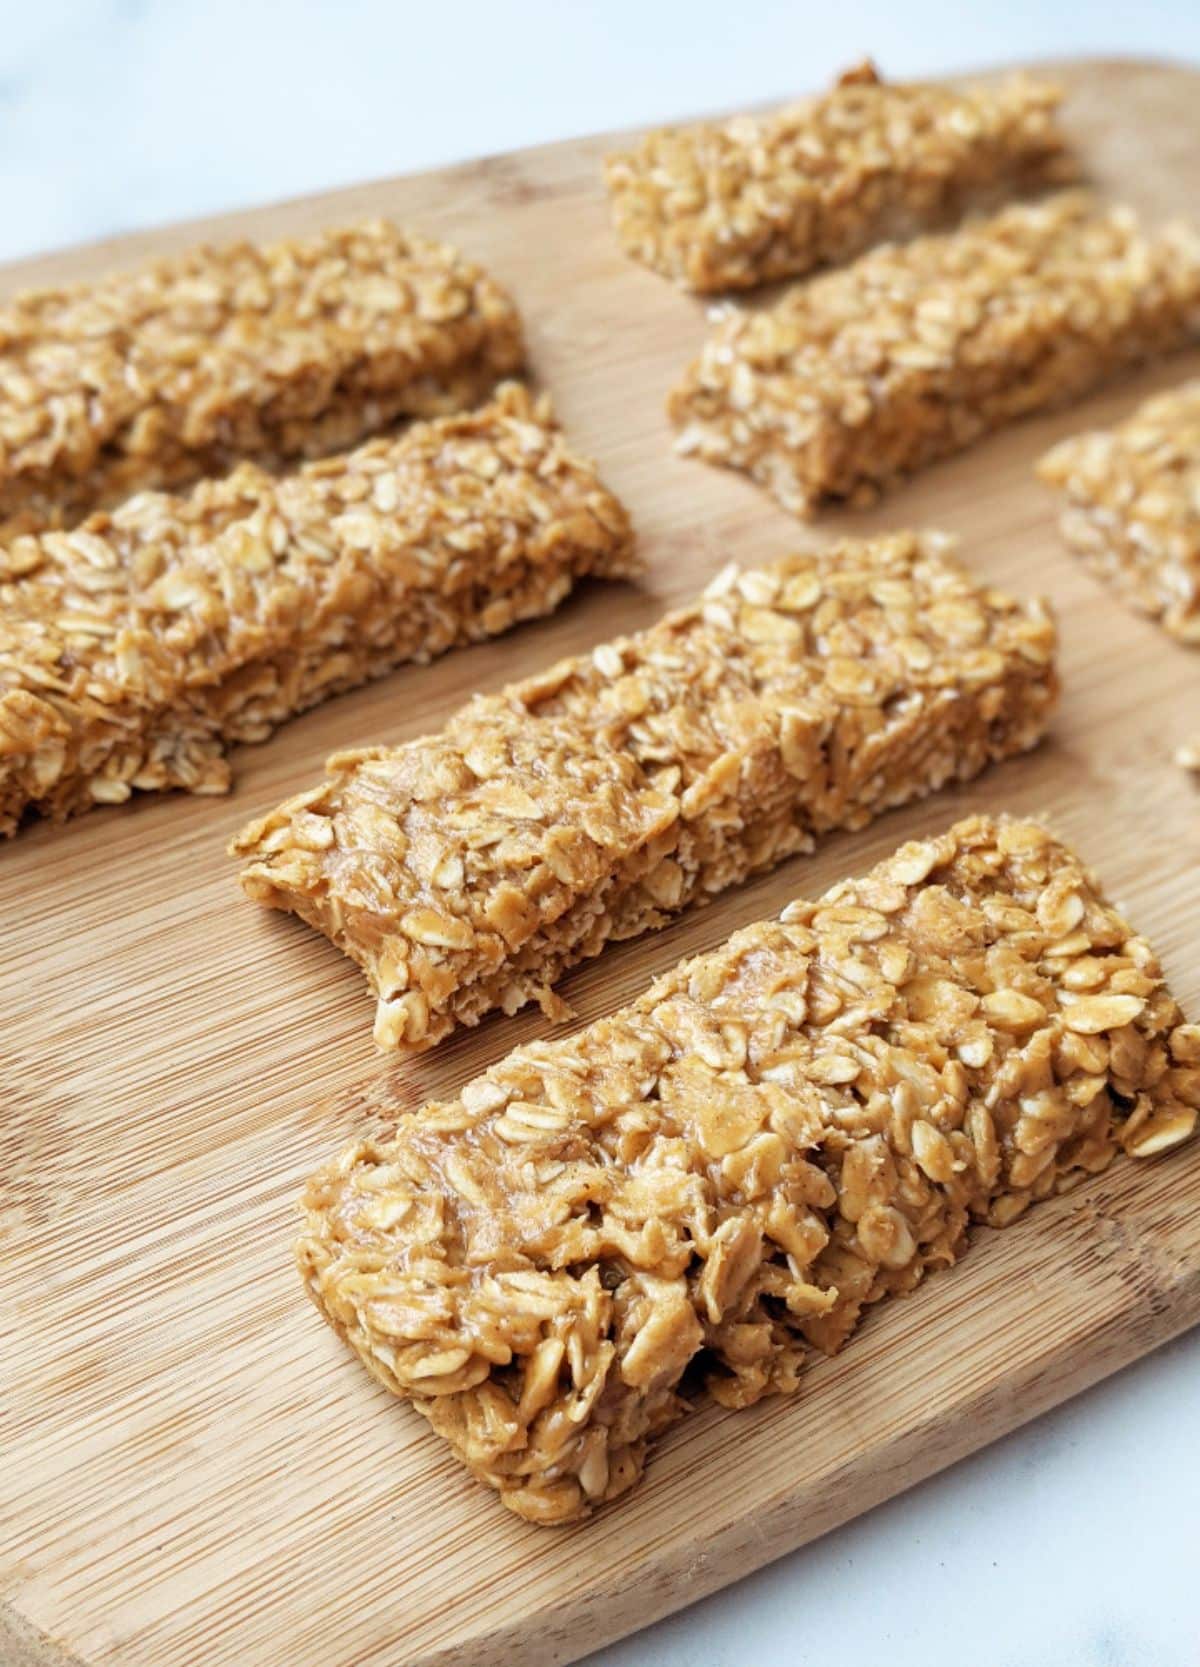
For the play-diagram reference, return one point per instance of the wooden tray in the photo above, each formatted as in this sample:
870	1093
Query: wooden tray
192	1469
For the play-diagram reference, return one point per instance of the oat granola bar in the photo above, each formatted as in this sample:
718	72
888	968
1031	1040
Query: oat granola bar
917	350
137	647
466	871
732	204
1133	506
156	377
727	1172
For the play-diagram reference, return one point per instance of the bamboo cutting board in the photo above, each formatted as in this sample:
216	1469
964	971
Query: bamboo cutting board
191	1469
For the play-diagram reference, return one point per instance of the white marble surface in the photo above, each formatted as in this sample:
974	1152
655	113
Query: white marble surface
1072	1543
1075	1541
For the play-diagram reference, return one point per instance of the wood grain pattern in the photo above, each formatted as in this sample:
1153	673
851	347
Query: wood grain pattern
191	1470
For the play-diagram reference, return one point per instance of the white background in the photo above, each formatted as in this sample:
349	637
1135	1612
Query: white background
1076	1542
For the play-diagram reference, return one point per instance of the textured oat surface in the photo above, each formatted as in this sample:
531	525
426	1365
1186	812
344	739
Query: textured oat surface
732	204
1133	506
135	648
183	367
729	1171
467	870
916	350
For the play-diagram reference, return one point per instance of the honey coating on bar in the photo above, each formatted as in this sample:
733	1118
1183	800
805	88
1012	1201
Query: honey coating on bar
136	648
727	1173
466	871
187	365
1133	507
917	350
728	205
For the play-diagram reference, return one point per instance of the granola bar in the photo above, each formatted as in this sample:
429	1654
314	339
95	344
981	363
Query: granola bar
1133	506
917	350
137	647
733	204
727	1172
156	377
466	871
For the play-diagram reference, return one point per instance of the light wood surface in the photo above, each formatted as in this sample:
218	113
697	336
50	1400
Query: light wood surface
191	1468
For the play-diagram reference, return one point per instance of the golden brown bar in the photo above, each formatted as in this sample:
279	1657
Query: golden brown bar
696	1191
915	351
465	871
1133	507
183	367
732	204
135	649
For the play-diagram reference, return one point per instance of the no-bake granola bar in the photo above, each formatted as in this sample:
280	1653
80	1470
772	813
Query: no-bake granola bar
732	204
696	1191
916	350
465	871
1133	506
135	648
179	369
